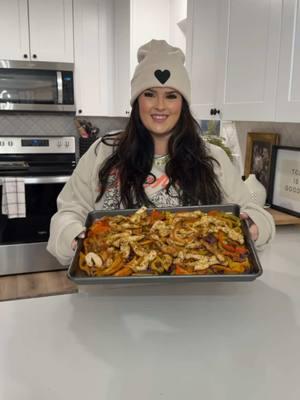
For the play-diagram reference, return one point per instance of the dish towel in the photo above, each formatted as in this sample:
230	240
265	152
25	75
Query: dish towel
13	197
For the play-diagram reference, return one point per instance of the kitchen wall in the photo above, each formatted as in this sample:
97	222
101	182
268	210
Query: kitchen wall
235	134
166	14
289	133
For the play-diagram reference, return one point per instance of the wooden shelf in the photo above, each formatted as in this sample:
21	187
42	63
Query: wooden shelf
281	218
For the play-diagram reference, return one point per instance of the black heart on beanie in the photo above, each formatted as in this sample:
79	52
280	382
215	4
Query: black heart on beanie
162	76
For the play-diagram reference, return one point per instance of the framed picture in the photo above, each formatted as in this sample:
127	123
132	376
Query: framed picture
285	180
259	156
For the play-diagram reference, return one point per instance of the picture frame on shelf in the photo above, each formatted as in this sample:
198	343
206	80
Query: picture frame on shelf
285	180
259	156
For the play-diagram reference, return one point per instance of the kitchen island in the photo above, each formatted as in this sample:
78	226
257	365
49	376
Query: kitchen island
207	341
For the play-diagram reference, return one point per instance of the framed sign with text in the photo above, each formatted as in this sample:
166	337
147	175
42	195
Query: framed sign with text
285	180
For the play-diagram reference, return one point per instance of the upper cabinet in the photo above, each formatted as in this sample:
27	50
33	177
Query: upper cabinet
14	30
202	55
288	93
248	65
233	55
102	57
51	30
243	56
37	30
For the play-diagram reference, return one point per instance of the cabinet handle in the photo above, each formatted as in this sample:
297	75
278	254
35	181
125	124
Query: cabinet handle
214	111
34	56
79	111
25	55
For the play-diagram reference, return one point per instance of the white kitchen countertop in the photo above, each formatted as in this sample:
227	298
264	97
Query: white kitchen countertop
211	341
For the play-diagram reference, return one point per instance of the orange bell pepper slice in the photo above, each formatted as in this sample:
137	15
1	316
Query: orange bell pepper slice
241	250
180	271
156	215
100	226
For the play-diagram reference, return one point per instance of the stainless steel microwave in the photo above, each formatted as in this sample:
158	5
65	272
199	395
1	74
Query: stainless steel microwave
36	86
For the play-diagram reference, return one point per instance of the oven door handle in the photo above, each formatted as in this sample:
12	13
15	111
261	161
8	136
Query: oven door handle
35	180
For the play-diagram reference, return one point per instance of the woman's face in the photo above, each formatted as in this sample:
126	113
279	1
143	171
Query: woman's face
160	110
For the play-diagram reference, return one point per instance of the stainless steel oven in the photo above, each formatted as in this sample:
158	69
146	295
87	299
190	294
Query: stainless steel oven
36	86
44	164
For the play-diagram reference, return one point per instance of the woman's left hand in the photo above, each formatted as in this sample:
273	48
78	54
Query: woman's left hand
253	228
75	241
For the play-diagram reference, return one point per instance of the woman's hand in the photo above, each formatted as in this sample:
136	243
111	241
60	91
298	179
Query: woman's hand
75	241
253	228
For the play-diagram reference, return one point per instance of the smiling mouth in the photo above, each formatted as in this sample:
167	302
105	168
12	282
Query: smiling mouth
159	117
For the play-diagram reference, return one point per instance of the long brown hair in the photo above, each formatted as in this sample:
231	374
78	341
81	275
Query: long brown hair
190	169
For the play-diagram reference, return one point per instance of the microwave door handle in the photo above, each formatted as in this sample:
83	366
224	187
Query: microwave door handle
59	87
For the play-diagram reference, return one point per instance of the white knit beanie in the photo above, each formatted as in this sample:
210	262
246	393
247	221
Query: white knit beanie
160	65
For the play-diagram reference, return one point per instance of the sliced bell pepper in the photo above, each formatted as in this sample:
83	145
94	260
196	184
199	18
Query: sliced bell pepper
180	271
241	250
213	213
156	215
100	226
230	248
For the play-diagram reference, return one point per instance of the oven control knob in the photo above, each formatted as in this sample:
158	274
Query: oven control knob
67	144
10	143
59	144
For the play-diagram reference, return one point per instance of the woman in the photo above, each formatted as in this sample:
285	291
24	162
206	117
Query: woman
160	160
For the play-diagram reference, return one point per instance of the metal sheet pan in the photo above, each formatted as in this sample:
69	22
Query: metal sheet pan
79	277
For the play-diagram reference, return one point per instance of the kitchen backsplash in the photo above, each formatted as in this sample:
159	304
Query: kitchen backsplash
63	124
289	132
52	124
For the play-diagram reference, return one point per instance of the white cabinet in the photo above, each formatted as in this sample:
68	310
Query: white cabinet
202	56
14	33
122	73
38	30
249	59
288	93
101	39
51	30
233	55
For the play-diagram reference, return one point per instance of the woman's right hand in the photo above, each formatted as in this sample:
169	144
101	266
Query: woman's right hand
75	241
253	228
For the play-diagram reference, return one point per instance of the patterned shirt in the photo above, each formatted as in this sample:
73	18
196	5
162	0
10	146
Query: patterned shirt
154	189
